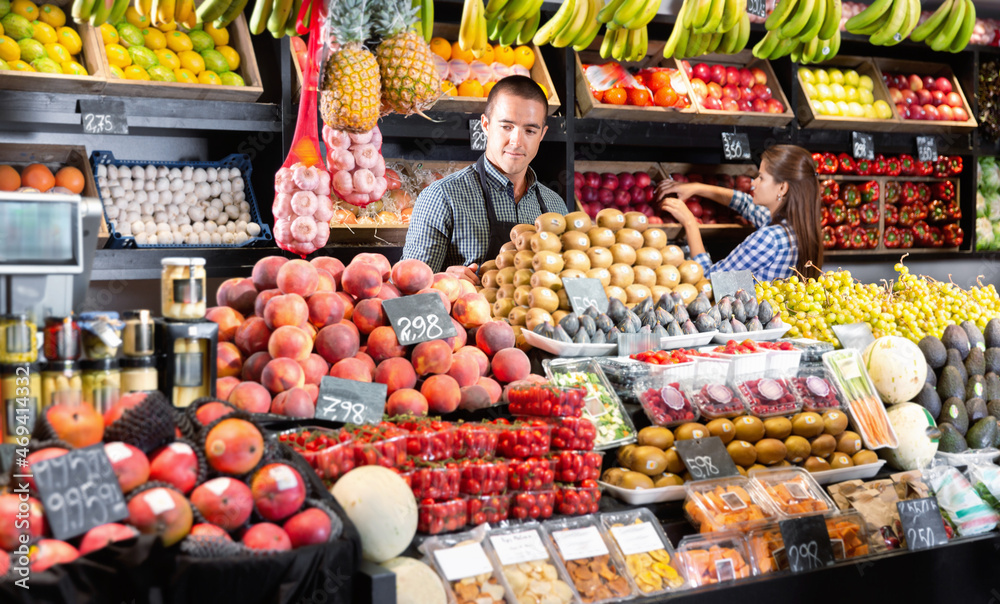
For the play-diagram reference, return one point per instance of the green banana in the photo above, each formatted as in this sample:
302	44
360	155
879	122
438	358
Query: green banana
834	46
555	24
634	43
213	9
508	35
912	17
744	26
964	34
794	26
607	12
618	48
279	15
118	12
231	13
427	19
292	17
714	19
675	34
628	11
868	16
931	25
495	7
731	14
729	40
896	18
874	28
494	26
649	10
529	29
102	9
606	44
261	13
815	22
831	23
765	47
704	9
946	34
714	42
82	9
784	48
782	12
797	52
515	10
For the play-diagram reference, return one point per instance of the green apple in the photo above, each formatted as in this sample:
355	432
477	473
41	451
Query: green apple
807	75
851	77
866	83
836	76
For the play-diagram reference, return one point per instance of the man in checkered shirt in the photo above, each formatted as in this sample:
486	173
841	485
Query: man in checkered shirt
462	220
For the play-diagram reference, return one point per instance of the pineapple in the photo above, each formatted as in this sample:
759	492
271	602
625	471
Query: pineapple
350	92
410	83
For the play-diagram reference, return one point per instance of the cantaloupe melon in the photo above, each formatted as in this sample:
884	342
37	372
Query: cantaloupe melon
897	368
416	583
382	507
916	447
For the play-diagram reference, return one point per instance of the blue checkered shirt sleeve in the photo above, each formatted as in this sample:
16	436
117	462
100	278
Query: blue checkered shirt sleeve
430	228
742	203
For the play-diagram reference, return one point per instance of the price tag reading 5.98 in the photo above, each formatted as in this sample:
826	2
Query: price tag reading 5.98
701	467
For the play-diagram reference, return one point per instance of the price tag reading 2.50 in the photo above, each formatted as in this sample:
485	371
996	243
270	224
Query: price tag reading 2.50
419	318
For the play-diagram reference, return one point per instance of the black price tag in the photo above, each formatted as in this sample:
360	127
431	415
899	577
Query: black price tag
727	283
103	116
757	8
350	401
807	543
79	491
863	145
923	526
584	293
634	343
927	148
855	335
735	145
477	137
706	458
419	318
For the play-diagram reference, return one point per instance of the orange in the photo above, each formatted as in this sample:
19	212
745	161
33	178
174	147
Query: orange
598	95
458	53
448	88
441	48
615	96
10	180
524	56
665	97
38	177
407	213
504	55
641	79
70	178
470	88
639	97
657	80
487	55
488	87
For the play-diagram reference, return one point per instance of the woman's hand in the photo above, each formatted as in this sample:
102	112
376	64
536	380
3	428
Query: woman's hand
679	210
465	272
672	188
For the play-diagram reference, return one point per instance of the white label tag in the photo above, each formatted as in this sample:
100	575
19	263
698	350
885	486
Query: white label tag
637	538
724	570
515	548
839	552
463	561
159	501
217	486
117	452
734	501
181	448
580	543
848	368
594	406
796	490
284	477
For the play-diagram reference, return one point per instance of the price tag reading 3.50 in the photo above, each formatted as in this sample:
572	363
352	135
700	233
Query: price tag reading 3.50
735	145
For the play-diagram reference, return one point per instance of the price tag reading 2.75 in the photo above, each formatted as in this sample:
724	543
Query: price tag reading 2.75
104	116
419	318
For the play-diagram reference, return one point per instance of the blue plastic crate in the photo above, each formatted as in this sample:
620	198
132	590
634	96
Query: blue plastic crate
236	160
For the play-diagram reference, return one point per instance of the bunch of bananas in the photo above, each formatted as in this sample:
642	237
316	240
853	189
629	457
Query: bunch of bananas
276	16
473	30
426	27
808	30
709	26
949	28
513	21
889	22
575	24
98	12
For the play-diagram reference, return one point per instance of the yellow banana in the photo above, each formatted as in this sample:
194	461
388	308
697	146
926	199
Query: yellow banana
165	11
275	23
581	12
607	12
896	19
931	25
794	26
481	39
508	35
554	25
876	26
714	20
590	30
831	22
606	45
765	47
234	11
628	11
912	18
731	14
621	40
144	7
868	16
494	7
744	26
702	14
467	28
815	22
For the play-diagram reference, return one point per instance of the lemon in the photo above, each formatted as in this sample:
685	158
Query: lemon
185	76
134	72
134	18
109	35
46	65
4	8
25	8
73	68
167	58
201	41
154	39
209	77
44	33
58	53
116	72
3	65
219	36
191	61
231	79
866	82
215	61
178	41
70	40
1	28
143	57
17	27
9	50
31	50
20	66
130	35
118	56
232	57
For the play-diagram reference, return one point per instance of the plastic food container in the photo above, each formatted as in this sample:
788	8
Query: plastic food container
329	452
743	364
487	508
542	400
435	517
601	405
597	573
524	439
848	534
468	574
767	394
572	433
428	442
528	566
578	500
721	504
482	477
577	466
861	399
434	480
783	360
476	441
715	400
793	492
389	452
815	390
715	558
532	504
650	560
848	538
812	350
532	474
665	402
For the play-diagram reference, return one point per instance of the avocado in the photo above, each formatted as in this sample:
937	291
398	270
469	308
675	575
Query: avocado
931	376
992	333
992	391
976	408
951	440
993	407
975	363
955	338
953	411
992	360
934	351
764	312
955	360
975	387
950	384
982	434
928	399
976	339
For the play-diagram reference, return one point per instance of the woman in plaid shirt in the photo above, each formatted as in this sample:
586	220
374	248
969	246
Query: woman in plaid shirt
785	208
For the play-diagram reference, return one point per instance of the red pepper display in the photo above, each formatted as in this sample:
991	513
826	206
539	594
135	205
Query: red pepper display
869	213
879	165
893	190
843	233
955	165
891	237
847	165
871	234
936	212
838	212
891	215
859	238
923	192
909	193
824	217
907	217
953	210
829	190
944	190
920	210
894	166
942	167
905	238
578	500
922	233
908	165
864	167
937	237
850	195
853	218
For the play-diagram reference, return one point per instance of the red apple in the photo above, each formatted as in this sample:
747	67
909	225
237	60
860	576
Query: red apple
743	104
650	191
609	181
937	97
267	536
943	84
903	110
759	76
588	195
746	78
924	96
953	99
655	220
960	114
916	82
605	197
104	535
642	179
699	88
714	90
592	179
702	72
622	198
695	207
946	112
638	195
931	112
712	102
895	95
917	112
909	97
775	106
762	91
625	180
759	106
929	83
730	91
577	179
278	491
730	104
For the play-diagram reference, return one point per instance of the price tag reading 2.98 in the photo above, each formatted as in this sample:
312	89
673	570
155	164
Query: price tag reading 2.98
423	328
419	318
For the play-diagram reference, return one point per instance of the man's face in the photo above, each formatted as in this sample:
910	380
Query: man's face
513	131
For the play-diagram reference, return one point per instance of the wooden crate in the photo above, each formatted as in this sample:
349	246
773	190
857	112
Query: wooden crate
589	107
929	69
466	104
740	60
239	40
810	119
717	230
387	234
91	57
55	157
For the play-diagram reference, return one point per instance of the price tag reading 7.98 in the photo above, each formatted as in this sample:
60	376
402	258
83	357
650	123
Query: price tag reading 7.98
353	413
349	401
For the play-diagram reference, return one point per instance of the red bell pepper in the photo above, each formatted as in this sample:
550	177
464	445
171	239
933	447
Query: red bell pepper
937	237
909	194
922	233
936	212
953	210
925	168
944	190
847	164
906	217
825	216
905	238
851	195
859	239
955	164
892	191
923	192
942	167
843	233
864	167
869	213
837	212
818	160
891	237
872	237
869	192
920	210
829	238
908	165
830	164
853	217
879	165
829	190
891	215
894	167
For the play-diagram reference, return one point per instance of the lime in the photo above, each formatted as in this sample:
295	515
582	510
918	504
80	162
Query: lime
159	73
4	8
19	28
200	41
46	65
31	50
231	79
215	61
143	57
130	35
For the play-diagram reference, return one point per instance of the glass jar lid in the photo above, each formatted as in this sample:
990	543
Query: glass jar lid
12	368
182	262
138	363
61	366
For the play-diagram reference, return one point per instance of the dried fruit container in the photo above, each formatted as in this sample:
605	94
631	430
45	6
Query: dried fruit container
767	394
476	441
329	452
793	492
721	504
848	534
532	504
532	474
577	466
468	574
483	477
523	439
487	508
716	558
601	405
430	480
578	500
435	517
814	388
572	433
528	565
597	572
544	400
848	538
650	560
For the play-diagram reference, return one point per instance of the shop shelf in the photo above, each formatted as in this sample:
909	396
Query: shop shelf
923	68
90	56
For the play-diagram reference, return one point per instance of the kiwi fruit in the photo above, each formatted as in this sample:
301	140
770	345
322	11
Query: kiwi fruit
675	465
808	424
756	466
834	422
863	457
849	442
749	428
840	460
648	460
613	476
625	455
723	428
823	445
635	480
797	449
777	427
770	451
668	480
689	431
742	452
656	436
816	464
